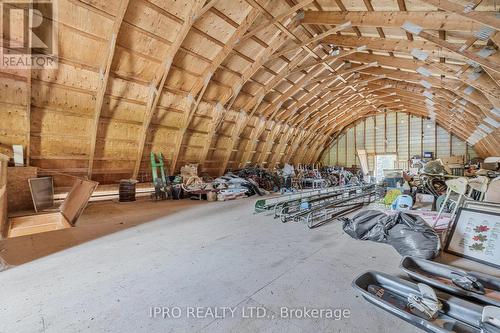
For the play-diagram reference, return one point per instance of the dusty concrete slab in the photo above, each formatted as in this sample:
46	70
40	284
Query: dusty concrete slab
204	255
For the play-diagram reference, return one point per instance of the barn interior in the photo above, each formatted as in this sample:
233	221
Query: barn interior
250	165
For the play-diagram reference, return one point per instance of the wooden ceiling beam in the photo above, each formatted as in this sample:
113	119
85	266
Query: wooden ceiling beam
207	7
199	88
290	69
395	45
309	112
310	40
466	12
213	127
491	63
428	20
271	110
277	19
482	82
325	85
276	105
330	79
260	60
474	97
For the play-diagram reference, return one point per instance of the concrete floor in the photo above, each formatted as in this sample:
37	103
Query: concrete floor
115	267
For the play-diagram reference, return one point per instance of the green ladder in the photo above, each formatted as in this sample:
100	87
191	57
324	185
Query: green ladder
162	184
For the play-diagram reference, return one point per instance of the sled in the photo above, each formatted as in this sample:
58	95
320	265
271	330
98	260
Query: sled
474	286
452	315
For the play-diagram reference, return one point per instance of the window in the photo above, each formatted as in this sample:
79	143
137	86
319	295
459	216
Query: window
383	162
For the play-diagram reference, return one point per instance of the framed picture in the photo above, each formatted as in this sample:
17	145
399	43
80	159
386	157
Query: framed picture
475	235
482	206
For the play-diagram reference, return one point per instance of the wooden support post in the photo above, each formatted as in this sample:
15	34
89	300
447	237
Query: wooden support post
355	146
28	116
408	137
421	137
385	132
451	144
337	154
435	141
397	132
346	149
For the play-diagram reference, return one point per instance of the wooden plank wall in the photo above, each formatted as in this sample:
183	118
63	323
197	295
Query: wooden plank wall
276	107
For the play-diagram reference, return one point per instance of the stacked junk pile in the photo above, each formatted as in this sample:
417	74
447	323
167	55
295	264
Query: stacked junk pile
246	182
317	196
190	184
429	209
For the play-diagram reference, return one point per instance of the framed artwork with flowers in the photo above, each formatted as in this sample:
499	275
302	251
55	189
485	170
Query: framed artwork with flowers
475	235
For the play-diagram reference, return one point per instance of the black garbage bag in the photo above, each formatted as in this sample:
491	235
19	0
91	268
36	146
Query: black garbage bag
369	225
411	236
408	234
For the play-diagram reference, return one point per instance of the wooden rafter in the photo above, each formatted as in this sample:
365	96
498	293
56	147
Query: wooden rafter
491	63
183	75
428	20
240	123
290	69
277	19
103	82
265	150
203	83
487	19
310	41
159	81
396	45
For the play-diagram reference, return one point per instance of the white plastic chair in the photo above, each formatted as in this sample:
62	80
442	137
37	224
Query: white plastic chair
480	184
458	186
493	191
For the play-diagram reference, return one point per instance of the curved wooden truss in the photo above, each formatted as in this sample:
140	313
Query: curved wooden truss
230	82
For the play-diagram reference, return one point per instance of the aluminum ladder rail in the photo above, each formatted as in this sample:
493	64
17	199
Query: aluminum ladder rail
287	211
267	204
323	215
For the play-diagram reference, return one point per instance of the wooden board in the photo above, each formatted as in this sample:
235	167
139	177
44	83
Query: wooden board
4	226
77	199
